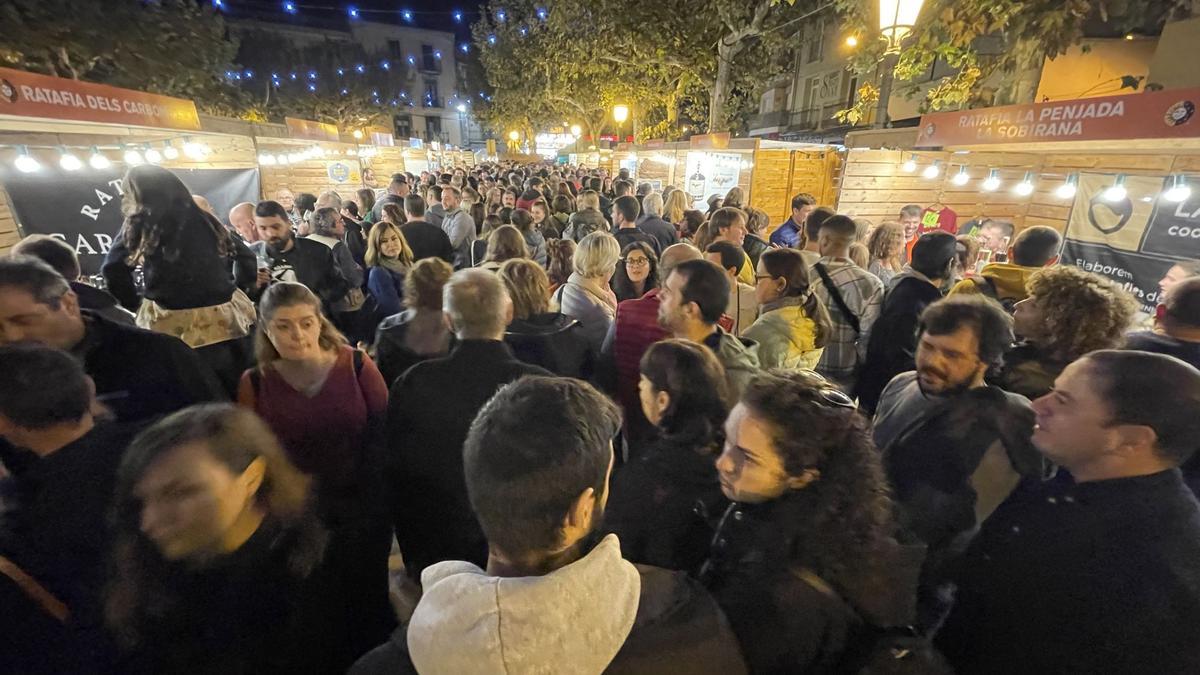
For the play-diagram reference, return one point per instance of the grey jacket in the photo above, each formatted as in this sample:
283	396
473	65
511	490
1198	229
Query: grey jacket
585	222
459	226
738	355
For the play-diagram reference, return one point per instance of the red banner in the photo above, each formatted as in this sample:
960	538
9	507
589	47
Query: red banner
1155	114
32	95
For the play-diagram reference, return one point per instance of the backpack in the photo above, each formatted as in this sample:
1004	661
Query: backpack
987	287
897	650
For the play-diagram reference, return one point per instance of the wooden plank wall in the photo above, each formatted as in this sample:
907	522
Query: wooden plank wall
874	186
771	182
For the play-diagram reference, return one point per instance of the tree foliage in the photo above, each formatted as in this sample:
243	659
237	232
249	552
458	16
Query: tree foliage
979	38
172	47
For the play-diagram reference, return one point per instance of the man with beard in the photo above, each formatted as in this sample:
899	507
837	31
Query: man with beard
953	447
556	595
293	258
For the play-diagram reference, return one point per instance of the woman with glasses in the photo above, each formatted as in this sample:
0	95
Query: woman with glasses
793	326
652	503
801	559
637	272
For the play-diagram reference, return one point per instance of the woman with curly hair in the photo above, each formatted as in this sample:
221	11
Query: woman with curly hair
802	557
559	256
1069	312
886	246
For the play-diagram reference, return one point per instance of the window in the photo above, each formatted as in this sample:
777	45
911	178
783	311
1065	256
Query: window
394	49
429	60
430	99
433	128
815	43
402	124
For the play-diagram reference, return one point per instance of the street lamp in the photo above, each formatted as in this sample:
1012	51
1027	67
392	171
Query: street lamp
514	136
576	131
896	21
620	113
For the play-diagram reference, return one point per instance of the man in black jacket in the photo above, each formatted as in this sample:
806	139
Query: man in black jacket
297	259
1095	572
55	521
431	407
397	190
556	595
138	374
893	343
624	217
424	238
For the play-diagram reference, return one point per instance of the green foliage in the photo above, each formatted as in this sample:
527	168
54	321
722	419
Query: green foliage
172	47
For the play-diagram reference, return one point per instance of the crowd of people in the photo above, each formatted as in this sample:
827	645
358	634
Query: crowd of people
532	419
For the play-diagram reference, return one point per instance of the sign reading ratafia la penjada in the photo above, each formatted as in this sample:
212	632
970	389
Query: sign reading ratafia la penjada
1153	114
33	95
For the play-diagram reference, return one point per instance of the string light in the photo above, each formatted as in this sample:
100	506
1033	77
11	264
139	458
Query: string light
133	157
153	156
464	48
933	170
458	16
98	160
68	161
289	7
1179	190
962	177
266	159
992	182
501	15
910	165
541	13
1068	188
407	15
491	39
193	150
352	12
1025	187
1116	192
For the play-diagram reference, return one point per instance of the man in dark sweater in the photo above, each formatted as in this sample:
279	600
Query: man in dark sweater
893	343
1096	571
431	408
424	238
297	259
138	374
54	524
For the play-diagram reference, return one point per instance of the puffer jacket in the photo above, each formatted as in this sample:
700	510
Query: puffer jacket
553	341
739	356
786	336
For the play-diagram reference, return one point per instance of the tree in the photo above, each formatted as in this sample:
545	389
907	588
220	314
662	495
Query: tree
172	47
1021	33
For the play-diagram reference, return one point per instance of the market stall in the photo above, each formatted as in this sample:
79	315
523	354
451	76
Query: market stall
1114	174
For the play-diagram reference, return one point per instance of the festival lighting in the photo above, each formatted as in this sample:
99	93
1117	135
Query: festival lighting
352	12
1068	188
910	165
133	157
68	161
289	7
153	156
266	159
193	150
97	160
992	182
620	113
576	131
1025	187
407	15
1179	190
962	177
933	170
852	41
1116	192
897	18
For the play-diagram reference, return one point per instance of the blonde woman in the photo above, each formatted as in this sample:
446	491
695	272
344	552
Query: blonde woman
677	202
388	260
886	246
587	296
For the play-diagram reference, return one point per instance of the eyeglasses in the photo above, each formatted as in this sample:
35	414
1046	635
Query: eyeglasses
638	262
760	277
834	397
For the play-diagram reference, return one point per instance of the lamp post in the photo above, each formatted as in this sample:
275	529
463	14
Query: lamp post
620	114
896	21
513	137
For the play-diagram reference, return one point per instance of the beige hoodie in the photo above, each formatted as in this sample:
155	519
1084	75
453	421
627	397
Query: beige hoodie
572	620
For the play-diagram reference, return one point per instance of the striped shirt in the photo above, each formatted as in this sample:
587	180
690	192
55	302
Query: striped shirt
863	294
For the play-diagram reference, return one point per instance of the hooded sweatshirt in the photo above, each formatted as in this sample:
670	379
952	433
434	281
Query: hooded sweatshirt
572	620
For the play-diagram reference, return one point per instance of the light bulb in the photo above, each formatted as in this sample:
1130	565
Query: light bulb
153	156
961	178
932	171
26	163
266	159
1115	193
281	159
909	166
1025	187
193	150
70	162
1065	191
991	183
133	157
170	152
1179	190
98	160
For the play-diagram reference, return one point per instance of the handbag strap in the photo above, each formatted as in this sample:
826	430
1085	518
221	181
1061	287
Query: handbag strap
838	300
35	591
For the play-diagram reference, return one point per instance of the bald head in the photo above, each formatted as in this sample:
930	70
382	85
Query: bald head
675	254
241	217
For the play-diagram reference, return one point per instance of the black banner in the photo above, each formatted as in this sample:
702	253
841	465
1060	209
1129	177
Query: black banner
83	208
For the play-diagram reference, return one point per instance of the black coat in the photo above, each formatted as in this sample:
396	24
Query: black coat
55	527
783	623
431	409
1068	578
893	346
312	264
659	504
392	355
553	341
427	241
755	246
627	235
140	374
